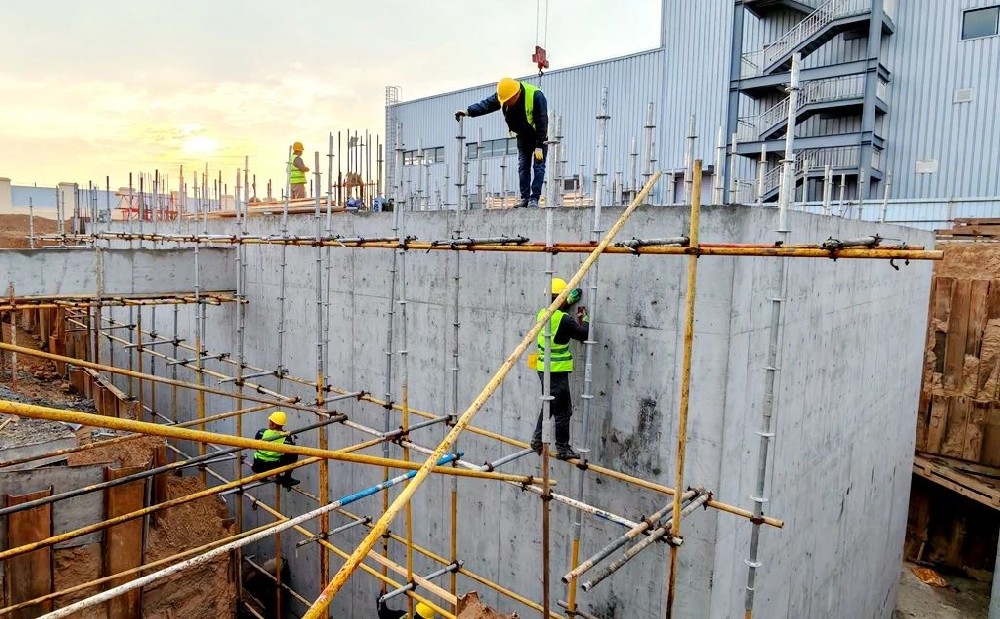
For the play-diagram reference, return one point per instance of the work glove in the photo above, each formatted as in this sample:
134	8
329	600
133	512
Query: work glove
539	155
459	114
574	296
581	315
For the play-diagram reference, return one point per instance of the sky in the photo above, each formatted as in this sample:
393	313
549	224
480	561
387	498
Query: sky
107	87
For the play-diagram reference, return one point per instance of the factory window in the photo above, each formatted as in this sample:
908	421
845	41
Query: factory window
980	23
428	155
492	148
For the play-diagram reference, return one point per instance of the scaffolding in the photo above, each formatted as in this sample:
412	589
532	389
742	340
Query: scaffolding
234	377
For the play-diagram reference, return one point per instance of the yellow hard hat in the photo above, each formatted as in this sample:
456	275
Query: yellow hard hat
424	611
278	417
506	88
297	146
558	285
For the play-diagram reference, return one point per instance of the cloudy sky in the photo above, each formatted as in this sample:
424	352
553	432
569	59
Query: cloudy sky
105	87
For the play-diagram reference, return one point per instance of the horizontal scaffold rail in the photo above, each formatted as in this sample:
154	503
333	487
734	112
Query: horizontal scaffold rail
212	297
821	250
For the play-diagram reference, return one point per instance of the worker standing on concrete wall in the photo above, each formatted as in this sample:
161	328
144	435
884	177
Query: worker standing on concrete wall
421	611
563	328
526	112
297	172
264	460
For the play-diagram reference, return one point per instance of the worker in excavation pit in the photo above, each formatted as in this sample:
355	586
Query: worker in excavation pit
264	460
297	172
526	112
563	329
420	611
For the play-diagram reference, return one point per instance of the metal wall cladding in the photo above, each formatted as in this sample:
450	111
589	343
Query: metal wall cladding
929	62
574	94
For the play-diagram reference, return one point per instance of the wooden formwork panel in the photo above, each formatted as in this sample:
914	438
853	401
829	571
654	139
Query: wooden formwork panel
123	542
30	575
959	409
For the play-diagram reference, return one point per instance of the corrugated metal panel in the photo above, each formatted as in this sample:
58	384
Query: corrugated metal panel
929	62
632	82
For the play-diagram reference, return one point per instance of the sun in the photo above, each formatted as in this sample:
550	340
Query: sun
200	145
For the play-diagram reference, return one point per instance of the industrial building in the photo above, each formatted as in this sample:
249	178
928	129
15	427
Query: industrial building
896	94
760	362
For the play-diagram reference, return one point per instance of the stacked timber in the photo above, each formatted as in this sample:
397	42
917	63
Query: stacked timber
971	228
959	414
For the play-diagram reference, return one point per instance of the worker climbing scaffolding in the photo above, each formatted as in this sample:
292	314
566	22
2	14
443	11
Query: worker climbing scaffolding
563	328
264	460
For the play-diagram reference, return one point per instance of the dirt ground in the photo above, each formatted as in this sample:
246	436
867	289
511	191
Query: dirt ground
962	598
205	592
14	230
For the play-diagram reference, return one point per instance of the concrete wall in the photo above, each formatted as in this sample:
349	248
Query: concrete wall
82	272
844	415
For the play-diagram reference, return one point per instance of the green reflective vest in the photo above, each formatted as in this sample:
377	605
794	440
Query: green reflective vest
561	358
529	102
275	437
297	176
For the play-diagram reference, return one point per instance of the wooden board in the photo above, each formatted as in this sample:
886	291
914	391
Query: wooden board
978	488
123	542
958	327
30	575
954	437
938	423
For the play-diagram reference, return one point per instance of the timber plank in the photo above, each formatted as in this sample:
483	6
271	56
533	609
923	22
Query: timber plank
990	455
942	309
974	487
958	328
975	428
954	436
938	422
30	575
123	542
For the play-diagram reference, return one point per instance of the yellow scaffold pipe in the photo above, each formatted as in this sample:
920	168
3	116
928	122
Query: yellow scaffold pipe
199	436
340	578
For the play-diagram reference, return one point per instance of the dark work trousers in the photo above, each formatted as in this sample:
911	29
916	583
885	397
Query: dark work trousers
561	408
260	466
531	188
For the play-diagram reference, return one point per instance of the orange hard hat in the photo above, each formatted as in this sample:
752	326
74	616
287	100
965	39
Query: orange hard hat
297	146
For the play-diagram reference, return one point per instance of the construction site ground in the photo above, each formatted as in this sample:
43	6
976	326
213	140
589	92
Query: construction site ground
961	597
204	592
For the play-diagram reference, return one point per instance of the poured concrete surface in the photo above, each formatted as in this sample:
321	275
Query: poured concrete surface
963	598
851	351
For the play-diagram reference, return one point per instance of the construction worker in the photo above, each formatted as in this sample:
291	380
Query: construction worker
563	328
297	172
423	611
526	112
264	460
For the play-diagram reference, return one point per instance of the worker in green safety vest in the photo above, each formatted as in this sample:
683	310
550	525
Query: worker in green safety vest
563	329
297	172
526	111
265	460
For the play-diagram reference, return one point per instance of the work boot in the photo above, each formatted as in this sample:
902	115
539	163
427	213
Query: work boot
521	203
566	452
536	446
288	482
532	203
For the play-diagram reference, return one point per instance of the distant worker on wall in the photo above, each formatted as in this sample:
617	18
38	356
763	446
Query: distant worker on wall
563	328
264	460
421	611
297	172
526	112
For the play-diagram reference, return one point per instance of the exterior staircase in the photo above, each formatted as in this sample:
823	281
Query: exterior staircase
812	164
819	96
820	26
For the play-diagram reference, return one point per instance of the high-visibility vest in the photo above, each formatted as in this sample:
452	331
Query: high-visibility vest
529	102
561	358
273	436
297	176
